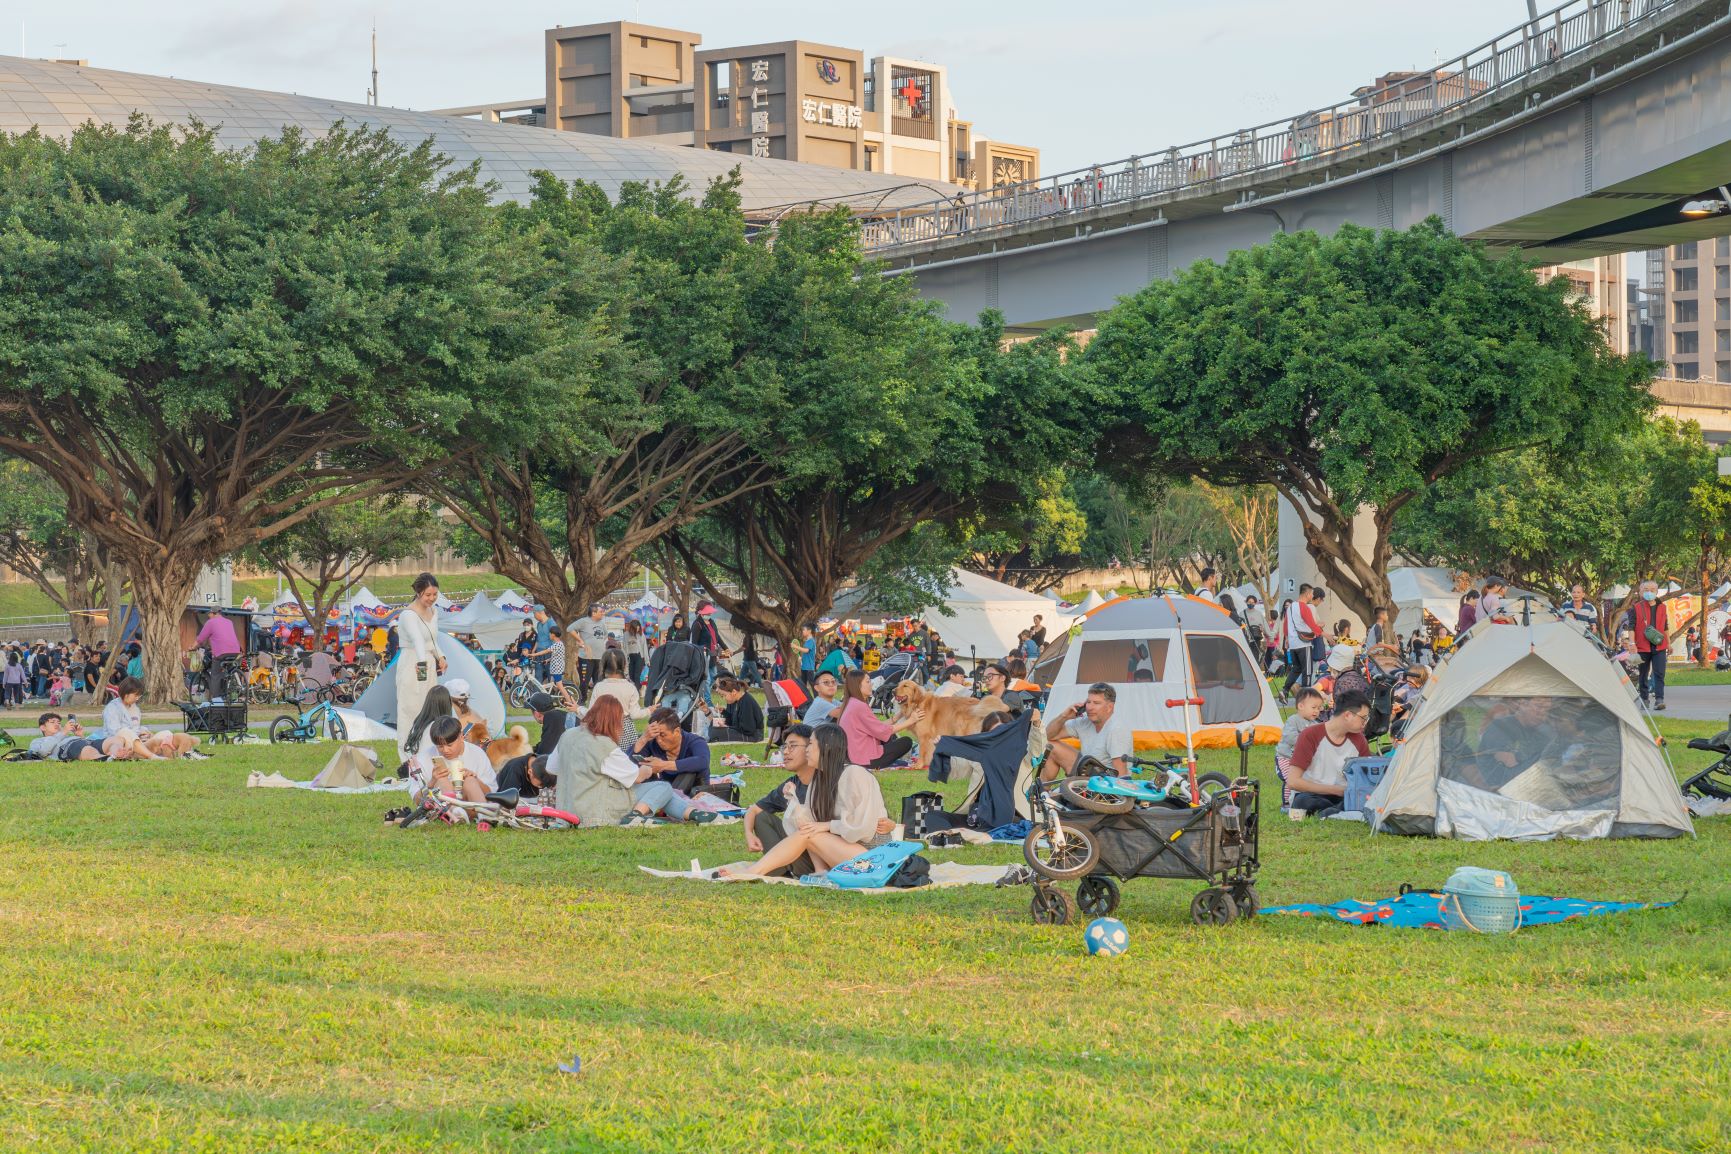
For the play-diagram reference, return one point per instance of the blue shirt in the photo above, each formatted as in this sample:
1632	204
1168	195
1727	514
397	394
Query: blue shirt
819	710
543	633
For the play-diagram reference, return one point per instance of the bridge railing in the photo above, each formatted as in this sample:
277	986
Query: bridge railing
1359	124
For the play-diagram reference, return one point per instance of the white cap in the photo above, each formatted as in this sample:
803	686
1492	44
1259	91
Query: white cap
458	687
1342	657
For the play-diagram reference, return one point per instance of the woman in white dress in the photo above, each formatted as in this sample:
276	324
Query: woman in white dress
419	663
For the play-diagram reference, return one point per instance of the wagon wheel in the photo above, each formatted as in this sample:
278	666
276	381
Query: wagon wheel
1051	906
1213	907
1097	897
1245	898
1073	855
1075	791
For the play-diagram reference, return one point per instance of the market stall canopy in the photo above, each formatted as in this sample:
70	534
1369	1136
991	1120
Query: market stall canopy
491	625
514	601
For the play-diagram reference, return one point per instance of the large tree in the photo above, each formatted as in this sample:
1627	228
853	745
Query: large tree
326	556
197	344
40	544
682	381
1352	372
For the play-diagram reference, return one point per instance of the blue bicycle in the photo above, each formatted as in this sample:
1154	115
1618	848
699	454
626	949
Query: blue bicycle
1095	788
322	716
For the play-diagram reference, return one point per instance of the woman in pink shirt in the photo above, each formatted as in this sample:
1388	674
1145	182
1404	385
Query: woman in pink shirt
870	740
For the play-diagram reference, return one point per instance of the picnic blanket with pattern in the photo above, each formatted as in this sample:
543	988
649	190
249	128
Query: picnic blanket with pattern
1422	910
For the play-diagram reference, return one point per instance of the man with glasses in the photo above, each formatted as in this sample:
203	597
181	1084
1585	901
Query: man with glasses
765	822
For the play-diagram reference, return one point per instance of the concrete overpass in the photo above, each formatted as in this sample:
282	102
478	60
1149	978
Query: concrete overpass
1579	134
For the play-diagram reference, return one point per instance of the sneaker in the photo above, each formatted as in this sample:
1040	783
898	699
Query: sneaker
700	817
195	755
1659	707
634	819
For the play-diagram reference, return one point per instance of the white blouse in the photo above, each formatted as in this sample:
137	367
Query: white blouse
859	806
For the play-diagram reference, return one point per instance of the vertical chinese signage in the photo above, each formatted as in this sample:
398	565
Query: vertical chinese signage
759	108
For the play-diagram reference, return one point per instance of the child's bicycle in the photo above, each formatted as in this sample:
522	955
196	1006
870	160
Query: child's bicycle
501	809
1095	788
323	715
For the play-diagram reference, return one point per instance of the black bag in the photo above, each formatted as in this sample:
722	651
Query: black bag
914	872
915	807
726	790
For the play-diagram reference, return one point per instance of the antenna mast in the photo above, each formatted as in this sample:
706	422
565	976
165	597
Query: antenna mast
373	93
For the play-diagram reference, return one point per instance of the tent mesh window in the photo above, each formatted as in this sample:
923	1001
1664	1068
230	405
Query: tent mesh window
1231	691
1560	753
1121	661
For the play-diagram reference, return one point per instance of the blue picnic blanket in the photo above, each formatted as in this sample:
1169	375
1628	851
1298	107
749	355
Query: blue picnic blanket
1015	831
1423	911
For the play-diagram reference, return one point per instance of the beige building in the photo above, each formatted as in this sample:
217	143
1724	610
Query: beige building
789	100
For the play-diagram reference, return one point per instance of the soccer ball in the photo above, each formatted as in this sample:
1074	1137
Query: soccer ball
1106	937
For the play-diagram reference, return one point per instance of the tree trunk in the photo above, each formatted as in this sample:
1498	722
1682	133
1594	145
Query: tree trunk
1360	585
1701	613
161	594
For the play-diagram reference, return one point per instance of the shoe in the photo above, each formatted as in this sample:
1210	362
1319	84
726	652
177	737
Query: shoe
700	817
195	755
1019	875
1659	707
633	819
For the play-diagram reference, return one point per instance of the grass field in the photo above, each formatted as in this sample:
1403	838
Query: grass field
188	965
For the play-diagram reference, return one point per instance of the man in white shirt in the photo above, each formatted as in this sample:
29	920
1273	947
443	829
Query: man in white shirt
1098	734
957	683
1209	586
824	704
453	756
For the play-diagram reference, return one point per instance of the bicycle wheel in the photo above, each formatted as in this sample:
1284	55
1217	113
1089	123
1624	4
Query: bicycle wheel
1210	784
260	693
1070	855
339	732
308	693
1075	791
284	728
518	695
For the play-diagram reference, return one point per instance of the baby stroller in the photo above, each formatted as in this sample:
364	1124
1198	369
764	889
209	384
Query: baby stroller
678	673
896	668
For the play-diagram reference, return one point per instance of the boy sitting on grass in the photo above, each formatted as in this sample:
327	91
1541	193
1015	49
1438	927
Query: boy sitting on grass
1307	706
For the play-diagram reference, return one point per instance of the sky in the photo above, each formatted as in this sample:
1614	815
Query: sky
1090	83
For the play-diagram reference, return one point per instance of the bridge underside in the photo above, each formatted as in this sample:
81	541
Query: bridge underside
1601	167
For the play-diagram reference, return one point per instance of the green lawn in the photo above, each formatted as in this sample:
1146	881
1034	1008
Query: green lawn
188	965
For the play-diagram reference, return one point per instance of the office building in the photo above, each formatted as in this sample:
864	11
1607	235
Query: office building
1689	301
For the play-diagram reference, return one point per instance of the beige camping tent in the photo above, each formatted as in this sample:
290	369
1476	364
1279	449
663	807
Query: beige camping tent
1529	733
350	767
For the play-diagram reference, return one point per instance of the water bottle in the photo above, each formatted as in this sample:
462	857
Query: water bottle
1231	823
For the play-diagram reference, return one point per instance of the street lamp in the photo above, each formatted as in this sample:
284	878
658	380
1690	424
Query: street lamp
1711	206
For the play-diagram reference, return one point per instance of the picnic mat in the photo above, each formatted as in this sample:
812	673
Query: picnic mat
277	781
1423	911
945	874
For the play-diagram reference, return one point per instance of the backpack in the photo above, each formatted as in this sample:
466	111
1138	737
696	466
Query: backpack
875	867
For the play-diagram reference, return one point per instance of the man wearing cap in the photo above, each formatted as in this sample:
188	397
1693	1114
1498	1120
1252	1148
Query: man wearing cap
824	704
554	721
543	642
591	635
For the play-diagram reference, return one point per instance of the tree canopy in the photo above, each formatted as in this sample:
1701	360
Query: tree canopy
1354	371
197	344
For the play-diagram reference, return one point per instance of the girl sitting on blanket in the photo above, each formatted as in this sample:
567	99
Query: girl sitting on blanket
842	816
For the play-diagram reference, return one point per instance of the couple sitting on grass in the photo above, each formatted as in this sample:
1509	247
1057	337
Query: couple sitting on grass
603	785
827	812
121	738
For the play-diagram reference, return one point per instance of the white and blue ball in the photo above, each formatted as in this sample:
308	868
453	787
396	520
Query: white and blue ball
1106	937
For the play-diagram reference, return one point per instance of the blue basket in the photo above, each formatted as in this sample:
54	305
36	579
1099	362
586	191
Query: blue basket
1485	901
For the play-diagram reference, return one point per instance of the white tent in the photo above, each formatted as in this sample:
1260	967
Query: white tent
1531	734
513	600
364	598
379	702
491	625
1091	602
1418	591
650	602
1152	650
986	616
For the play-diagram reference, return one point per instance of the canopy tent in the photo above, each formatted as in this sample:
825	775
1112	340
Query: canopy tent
513	602
492	626
1417	591
648	603
1091	602
364	598
379	702
986	616
1530	734
1153	650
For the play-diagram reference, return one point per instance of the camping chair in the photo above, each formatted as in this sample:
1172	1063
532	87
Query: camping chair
786	698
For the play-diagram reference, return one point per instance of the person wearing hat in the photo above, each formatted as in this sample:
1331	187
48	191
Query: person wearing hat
543	642
956	683
1343	668
554	721
459	690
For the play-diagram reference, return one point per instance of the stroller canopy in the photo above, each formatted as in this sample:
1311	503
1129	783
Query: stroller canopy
1530	733
1152	650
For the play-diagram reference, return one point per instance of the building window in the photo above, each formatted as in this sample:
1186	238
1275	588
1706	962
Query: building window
1685	280
1725	371
1722	247
1686	312
1722	278
1686	370
1686	342
1684	251
1723	341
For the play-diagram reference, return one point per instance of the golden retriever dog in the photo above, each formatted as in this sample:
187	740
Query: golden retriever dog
515	743
944	716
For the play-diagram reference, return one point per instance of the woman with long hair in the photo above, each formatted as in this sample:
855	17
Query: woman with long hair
870	740
613	684
636	650
595	779
843	814
419	663
436	704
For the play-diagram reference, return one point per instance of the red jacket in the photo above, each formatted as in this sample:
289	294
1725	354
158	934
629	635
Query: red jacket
1644	615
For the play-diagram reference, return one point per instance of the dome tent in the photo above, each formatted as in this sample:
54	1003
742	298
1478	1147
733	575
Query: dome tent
985	616
1530	734
1153	650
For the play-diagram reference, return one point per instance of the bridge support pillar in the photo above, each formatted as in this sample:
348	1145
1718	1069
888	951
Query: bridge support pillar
1297	567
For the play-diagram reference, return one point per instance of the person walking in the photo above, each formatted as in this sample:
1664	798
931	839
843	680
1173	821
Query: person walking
1651	626
419	663
1300	629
